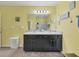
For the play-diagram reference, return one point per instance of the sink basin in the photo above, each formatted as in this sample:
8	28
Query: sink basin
44	32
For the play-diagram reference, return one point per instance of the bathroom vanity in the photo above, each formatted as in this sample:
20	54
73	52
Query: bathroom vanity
42	41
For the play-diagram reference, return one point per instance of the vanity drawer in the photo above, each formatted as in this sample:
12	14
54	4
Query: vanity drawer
43	36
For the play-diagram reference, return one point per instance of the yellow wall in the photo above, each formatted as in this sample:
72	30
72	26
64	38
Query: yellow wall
11	28
70	30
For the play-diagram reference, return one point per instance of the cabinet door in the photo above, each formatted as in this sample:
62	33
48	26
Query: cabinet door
0	30
41	42
59	42
27	42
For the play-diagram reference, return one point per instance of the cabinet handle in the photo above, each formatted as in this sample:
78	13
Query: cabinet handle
40	36
45	36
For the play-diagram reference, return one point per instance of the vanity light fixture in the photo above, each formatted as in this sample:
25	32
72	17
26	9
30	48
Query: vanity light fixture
40	12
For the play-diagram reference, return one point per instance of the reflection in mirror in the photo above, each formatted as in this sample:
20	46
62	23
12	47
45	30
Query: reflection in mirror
39	21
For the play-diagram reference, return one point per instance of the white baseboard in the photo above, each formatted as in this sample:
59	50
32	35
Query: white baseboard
62	52
5	46
0	46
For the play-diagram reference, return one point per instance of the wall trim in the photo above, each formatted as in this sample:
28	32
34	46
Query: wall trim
0	46
5	46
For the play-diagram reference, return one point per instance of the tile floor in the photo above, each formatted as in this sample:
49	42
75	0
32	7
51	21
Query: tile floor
8	52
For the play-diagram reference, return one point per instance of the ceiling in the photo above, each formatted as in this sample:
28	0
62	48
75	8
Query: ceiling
29	3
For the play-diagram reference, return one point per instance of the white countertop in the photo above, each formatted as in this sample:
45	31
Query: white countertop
43	33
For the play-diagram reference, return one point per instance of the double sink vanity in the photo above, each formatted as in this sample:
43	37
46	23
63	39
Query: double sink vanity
40	38
42	41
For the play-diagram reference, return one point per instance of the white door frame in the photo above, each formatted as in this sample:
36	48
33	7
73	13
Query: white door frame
0	31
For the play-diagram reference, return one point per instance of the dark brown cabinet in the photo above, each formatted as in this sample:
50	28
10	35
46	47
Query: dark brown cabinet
42	42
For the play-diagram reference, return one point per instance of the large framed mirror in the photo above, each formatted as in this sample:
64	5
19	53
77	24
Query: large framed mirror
38	21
